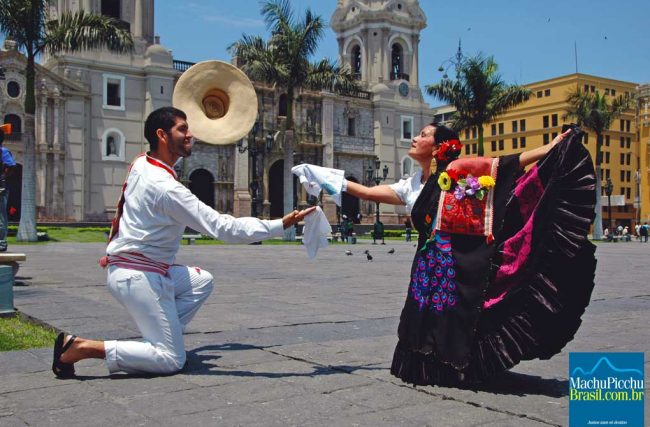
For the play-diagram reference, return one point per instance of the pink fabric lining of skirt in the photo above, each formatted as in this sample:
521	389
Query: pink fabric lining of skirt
516	250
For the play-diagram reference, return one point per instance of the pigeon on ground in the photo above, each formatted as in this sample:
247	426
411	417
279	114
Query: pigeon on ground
348	252
392	251
368	256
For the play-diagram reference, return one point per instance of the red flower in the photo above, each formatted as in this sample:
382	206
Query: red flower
453	174
449	149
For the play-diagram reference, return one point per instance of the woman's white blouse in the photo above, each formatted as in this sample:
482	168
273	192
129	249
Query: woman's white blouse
409	189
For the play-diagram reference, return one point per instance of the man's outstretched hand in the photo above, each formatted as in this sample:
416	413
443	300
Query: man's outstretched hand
295	217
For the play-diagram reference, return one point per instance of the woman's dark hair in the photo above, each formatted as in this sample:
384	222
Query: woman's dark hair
163	118
443	133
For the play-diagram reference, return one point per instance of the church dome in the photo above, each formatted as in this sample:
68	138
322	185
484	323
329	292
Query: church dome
157	54
380	88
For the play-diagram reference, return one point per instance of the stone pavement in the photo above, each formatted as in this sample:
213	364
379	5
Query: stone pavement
287	341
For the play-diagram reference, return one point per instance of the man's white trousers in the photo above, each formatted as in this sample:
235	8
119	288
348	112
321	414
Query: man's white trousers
161	307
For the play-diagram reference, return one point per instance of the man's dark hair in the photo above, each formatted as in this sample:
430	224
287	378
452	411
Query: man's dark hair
443	133
163	118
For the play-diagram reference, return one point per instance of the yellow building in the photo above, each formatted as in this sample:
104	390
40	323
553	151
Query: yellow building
643	136
540	119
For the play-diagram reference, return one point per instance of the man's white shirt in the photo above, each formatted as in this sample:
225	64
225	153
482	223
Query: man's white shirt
157	208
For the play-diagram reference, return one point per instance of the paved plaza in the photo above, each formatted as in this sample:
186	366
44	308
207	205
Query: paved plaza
284	340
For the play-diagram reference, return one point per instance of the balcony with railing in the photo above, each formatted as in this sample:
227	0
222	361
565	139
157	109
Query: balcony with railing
360	94
182	66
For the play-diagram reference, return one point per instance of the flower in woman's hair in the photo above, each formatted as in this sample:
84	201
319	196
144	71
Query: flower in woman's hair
448	150
486	181
444	181
441	155
459	192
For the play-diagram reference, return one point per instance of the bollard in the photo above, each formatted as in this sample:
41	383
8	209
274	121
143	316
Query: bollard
6	289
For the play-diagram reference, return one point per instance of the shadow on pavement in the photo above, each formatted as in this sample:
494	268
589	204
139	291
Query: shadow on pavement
201	361
523	384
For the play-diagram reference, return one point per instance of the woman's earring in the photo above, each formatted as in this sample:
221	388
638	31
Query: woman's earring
434	166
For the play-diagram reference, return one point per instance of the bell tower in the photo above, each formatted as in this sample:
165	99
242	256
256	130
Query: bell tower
379	40
136	15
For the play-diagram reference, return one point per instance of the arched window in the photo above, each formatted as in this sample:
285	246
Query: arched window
202	186
283	105
16	123
356	59
113	145
407	167
13	89
396	62
111	8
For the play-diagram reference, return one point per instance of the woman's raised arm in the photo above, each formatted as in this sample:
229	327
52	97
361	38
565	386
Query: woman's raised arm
531	156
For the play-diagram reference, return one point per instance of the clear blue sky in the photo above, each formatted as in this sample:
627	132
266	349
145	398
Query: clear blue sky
531	40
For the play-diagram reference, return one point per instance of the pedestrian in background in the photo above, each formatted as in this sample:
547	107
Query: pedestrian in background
7	166
408	228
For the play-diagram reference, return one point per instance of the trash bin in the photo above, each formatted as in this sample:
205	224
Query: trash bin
353	238
6	289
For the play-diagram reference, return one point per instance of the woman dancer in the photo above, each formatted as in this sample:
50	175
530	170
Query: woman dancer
503	269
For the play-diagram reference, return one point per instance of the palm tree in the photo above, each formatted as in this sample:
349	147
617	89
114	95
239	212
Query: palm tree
26	22
593	111
478	94
283	61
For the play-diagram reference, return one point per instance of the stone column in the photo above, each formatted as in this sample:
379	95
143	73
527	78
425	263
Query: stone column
415	65
385	69
327	129
137	20
56	200
41	136
241	196
365	61
87	6
41	151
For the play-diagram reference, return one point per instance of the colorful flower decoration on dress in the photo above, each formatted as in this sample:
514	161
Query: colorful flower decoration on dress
433	282
449	150
466	185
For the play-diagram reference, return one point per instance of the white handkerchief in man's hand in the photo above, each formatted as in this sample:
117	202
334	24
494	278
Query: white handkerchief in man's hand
315	232
314	178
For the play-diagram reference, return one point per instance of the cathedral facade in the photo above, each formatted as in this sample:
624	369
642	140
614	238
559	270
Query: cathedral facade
91	108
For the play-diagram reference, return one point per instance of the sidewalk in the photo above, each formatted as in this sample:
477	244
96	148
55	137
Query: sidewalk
287	341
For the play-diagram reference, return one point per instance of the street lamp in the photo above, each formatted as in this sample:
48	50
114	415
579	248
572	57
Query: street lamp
374	175
456	61
253	151
609	187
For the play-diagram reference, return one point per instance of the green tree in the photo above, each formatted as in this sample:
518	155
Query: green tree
284	61
478	94
27	23
593	111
